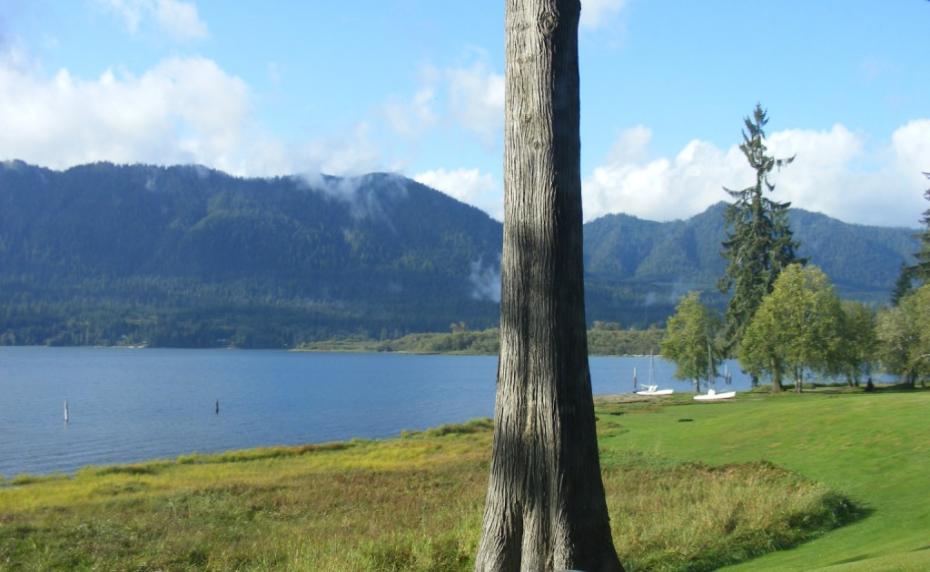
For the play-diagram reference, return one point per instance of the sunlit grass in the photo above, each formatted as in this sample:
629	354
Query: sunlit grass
867	447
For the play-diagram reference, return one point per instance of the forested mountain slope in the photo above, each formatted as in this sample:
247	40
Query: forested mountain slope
191	256
863	261
188	256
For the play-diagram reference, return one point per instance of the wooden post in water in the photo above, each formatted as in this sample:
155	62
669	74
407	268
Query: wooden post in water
217	407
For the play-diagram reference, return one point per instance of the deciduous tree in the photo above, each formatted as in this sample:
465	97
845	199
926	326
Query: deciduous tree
690	340
858	343
798	327
904	338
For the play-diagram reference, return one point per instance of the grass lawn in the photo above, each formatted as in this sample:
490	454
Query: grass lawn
687	490
872	448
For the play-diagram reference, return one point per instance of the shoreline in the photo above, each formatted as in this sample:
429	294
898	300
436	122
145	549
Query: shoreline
306	350
279	449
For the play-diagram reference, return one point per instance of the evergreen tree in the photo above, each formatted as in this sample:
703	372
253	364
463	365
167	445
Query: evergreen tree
921	269
904	285
759	241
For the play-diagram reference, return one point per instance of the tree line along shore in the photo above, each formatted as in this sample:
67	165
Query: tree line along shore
604	338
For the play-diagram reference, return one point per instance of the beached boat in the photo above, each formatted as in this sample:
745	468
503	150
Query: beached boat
654	390
712	395
651	388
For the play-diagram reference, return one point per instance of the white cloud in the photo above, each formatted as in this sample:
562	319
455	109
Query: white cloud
469	97
129	10
476	100
595	13
835	172
177	18
353	153
467	185
180	19
631	146
414	117
180	110
911	147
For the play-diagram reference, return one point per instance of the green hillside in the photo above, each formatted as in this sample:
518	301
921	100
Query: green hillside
194	257
863	261
188	256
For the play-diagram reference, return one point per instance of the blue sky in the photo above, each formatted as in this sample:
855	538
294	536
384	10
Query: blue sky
416	86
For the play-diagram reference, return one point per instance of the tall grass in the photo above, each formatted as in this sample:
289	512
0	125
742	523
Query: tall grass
413	503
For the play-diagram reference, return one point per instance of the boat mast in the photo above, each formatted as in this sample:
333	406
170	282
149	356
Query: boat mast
652	369
711	378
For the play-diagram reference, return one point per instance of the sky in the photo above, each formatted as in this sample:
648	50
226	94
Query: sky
416	87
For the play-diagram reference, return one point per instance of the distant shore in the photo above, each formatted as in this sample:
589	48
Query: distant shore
602	340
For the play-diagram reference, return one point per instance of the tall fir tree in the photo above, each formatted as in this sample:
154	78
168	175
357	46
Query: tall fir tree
921	269
759	241
904	285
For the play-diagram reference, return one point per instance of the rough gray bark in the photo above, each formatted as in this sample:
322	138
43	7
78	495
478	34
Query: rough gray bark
545	507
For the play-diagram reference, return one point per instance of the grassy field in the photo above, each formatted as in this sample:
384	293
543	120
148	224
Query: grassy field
870	447
842	477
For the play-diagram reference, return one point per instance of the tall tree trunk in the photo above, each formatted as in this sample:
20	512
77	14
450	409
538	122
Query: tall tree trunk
776	377
545	507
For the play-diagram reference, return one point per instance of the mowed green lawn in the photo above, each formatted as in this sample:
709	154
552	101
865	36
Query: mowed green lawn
873	448
684	483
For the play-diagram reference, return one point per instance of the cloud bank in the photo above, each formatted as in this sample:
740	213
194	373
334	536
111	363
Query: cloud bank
182	110
837	172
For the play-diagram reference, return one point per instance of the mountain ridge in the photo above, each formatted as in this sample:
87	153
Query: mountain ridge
192	256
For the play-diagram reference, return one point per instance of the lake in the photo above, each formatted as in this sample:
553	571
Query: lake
130	405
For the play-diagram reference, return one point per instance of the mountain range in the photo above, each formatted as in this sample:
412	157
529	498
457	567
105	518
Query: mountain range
190	256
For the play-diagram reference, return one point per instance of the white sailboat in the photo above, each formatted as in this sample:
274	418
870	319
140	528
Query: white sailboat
652	388
712	394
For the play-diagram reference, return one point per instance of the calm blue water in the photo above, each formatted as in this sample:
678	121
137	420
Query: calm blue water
130	405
